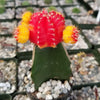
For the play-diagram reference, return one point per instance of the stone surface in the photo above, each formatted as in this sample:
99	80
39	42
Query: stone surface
85	69
53	89
8	14
7	27
24	76
21	97
86	93
92	36
85	19
7	47
9	3
25	47
7	76
63	2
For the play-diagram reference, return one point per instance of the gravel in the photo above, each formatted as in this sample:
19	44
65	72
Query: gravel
92	36
86	93
85	19
25	47
53	89
24	76
7	47
8	14
7	76
85	69
63	2
93	5
21	97
68	22
9	3
7	27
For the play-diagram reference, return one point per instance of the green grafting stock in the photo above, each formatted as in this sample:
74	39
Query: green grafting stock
50	63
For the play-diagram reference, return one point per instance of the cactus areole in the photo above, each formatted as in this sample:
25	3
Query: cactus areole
47	29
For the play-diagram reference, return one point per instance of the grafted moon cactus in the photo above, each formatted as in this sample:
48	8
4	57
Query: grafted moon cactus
47	30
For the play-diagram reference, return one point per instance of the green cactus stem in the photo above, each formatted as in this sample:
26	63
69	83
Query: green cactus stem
76	10
2	6
52	8
25	3
2	2
48	1
69	1
2	9
50	63
30	9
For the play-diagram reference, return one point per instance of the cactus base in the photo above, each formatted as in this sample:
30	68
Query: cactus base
50	63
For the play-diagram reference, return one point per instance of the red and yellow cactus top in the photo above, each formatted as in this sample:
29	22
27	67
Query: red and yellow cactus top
45	29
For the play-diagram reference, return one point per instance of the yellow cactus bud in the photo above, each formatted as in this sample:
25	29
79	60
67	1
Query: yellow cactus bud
22	39
24	24
26	17
23	34
23	30
70	34
67	39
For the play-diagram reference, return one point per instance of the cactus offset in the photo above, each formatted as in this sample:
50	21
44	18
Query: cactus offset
70	34
47	29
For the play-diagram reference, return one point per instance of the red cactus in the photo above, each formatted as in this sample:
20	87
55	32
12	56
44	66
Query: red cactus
48	28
